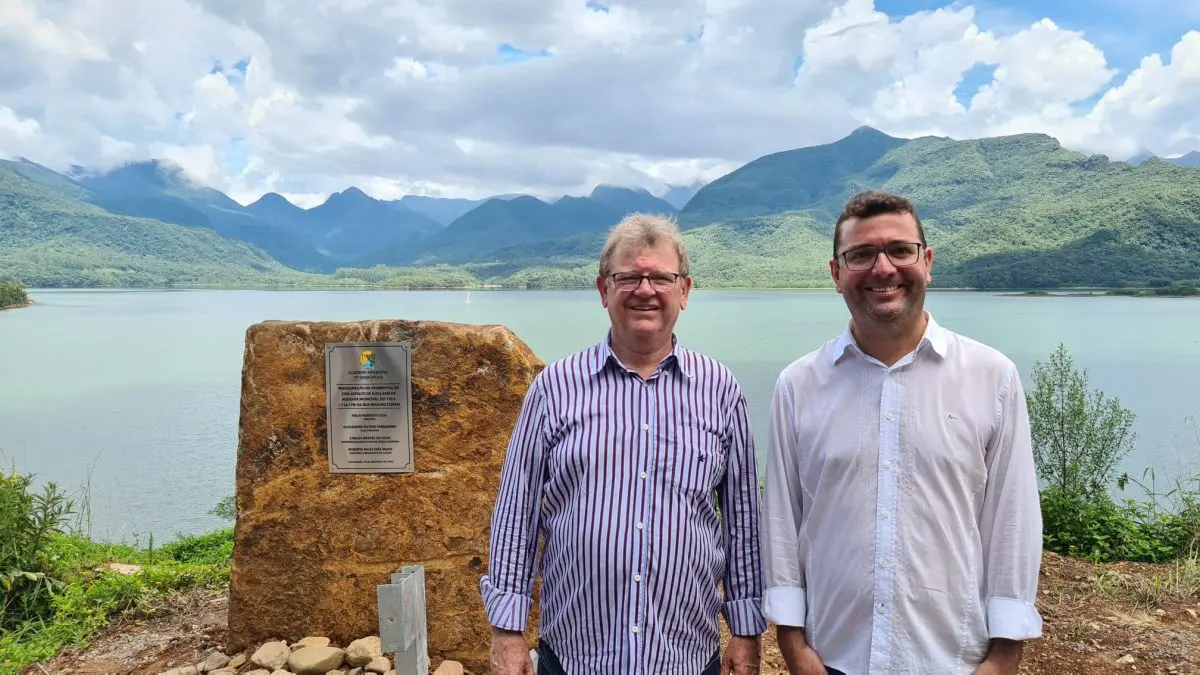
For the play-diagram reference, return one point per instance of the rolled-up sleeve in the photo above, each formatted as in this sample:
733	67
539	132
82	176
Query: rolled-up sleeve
784	598
1011	521
740	520
507	588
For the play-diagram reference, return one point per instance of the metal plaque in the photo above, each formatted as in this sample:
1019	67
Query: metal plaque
369	405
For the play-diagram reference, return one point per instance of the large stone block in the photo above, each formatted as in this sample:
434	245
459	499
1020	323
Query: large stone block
311	546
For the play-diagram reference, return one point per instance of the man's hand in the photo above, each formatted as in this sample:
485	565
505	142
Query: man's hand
741	657
510	653
800	658
992	668
1003	658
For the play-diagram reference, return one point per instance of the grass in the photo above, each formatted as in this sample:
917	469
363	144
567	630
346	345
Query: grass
1179	582
57	586
94	594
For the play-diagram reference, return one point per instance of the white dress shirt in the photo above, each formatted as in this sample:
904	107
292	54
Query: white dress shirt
901	525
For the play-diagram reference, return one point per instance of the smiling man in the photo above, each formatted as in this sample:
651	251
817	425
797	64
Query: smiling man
902	527
633	459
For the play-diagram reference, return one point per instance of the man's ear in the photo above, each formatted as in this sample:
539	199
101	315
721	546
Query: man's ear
836	273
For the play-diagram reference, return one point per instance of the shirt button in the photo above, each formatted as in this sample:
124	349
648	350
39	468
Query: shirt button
889	416
637	578
639	526
882	610
887	465
642	474
635	629
646	427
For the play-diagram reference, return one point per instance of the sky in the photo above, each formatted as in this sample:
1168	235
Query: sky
462	98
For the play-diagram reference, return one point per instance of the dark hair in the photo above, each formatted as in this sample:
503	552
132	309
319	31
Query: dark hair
873	203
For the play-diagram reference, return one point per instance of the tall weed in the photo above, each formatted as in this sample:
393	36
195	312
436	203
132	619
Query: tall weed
29	521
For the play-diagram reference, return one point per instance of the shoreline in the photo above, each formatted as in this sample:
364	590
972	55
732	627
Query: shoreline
1100	293
27	303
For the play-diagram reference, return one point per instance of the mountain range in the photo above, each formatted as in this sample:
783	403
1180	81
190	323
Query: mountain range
1007	212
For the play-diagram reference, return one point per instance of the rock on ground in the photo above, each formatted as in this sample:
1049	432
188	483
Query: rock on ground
312	546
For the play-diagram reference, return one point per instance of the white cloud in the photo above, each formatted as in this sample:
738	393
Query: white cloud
1160	95
399	96
17	128
23	23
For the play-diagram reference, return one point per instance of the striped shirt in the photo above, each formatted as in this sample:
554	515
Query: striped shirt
646	494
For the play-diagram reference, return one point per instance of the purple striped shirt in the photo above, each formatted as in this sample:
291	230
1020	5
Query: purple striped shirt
623	477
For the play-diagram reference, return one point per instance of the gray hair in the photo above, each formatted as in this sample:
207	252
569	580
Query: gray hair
642	230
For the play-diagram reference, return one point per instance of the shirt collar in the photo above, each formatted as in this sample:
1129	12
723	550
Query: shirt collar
605	355
934	338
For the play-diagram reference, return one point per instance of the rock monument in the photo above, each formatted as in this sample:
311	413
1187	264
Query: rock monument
312	544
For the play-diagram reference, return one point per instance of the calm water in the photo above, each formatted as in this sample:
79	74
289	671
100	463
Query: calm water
136	393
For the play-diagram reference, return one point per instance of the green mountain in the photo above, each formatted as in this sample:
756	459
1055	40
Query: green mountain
818	178
444	210
346	226
274	208
350	224
48	238
1009	212
159	191
1192	159
47	178
679	195
522	222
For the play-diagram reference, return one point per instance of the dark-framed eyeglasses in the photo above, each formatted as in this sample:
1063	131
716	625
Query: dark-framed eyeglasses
659	281
901	254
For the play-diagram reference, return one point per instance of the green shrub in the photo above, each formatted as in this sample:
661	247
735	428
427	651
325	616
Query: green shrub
89	601
214	548
1105	530
12	294
226	509
29	521
56	587
1079	436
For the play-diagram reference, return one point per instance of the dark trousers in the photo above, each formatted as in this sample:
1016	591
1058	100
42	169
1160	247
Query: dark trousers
548	663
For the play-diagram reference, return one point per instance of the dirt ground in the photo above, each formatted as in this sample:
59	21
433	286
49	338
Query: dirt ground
1099	619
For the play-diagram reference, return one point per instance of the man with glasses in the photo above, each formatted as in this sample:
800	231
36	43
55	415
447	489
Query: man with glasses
902	527
634	461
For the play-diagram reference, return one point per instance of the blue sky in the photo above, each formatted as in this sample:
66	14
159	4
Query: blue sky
506	54
1125	30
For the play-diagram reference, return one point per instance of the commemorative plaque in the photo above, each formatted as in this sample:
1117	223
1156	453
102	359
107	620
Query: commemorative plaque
369	406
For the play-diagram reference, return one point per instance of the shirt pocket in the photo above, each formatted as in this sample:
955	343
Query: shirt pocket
695	456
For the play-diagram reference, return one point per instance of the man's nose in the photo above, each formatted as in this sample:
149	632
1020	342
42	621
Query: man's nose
644	287
883	265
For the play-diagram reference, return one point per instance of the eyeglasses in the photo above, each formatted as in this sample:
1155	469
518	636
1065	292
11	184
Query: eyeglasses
901	254
659	281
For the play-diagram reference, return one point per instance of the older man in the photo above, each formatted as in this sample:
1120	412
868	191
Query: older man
634	459
901	513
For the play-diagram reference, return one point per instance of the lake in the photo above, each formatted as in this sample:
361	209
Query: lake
135	394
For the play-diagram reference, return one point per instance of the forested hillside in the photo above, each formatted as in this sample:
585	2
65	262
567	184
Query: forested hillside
1001	213
50	239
